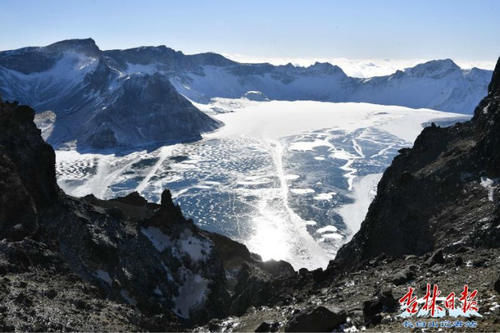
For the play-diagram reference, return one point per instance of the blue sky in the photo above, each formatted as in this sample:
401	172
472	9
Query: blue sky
468	30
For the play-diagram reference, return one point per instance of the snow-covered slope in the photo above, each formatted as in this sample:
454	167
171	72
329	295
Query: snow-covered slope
440	85
95	104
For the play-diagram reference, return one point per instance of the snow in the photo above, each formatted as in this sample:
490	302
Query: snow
141	69
266	119
130	300
157	291
328	228
301	190
324	196
331	236
305	146
103	275
489	185
68	72
192	293
159	240
197	248
439	85
364	190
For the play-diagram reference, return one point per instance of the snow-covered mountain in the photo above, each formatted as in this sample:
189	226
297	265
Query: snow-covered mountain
103	99
439	84
93	104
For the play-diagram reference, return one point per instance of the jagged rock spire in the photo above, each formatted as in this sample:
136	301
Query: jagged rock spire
495	79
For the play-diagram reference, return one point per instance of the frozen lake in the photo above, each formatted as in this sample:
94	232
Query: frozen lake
291	180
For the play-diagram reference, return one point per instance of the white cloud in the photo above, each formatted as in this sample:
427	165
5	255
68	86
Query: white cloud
356	67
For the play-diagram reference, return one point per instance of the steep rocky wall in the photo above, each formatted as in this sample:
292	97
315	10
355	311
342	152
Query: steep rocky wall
442	191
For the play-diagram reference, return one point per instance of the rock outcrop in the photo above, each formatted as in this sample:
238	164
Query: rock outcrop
442	193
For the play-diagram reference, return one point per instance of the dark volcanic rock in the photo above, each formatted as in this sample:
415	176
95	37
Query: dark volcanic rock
497	285
319	319
436	258
403	276
27	172
268	326
382	302
416	208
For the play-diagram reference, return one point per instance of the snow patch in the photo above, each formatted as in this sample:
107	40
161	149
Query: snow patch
489	185
103	275
324	196
157	291
159	239
198	249
302	190
141	69
126	296
328	228
364	190
192	293
308	145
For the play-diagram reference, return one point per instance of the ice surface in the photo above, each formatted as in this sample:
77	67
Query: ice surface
273	178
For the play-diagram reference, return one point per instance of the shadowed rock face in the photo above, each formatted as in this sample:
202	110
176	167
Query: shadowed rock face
443	190
147	110
27	175
144	255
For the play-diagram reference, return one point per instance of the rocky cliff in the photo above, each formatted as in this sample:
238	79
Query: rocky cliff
122	264
442	192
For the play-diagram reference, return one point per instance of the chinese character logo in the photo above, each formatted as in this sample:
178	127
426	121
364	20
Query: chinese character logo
434	305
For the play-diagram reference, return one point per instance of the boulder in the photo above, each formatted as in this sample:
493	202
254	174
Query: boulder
382	302
319	319
268	326
403	276
436	258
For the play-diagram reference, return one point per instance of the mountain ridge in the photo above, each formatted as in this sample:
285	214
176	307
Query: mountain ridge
75	81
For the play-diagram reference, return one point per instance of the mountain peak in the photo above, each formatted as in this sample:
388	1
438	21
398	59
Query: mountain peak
434	67
326	67
87	46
